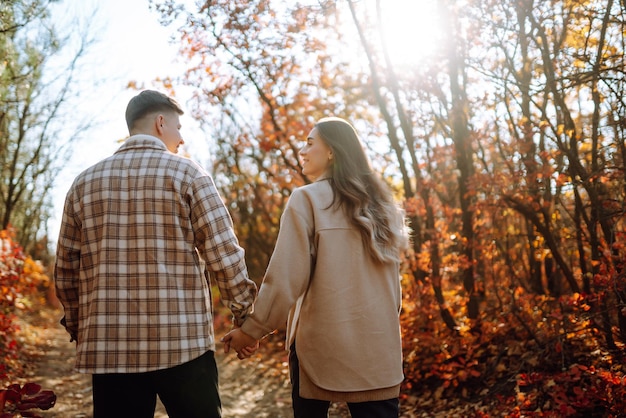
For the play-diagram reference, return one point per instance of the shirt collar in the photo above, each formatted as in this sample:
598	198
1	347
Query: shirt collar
142	141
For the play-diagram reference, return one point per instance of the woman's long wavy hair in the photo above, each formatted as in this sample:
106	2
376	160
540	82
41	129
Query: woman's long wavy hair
363	195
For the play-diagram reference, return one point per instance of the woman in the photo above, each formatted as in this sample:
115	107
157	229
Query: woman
334	277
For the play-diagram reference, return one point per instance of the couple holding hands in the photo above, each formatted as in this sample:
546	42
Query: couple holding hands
134	228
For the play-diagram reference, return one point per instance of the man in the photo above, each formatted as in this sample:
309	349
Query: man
137	229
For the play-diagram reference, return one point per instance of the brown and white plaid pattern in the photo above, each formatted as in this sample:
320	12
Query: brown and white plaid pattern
137	231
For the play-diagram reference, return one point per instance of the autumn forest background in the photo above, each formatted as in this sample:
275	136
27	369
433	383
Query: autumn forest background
505	144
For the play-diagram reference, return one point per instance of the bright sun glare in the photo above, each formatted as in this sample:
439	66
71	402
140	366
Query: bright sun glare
410	29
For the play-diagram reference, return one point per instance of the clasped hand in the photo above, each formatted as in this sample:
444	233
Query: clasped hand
241	342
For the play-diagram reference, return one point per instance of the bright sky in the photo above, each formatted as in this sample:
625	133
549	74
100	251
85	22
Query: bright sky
130	45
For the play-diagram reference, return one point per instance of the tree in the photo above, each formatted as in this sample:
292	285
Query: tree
258	100
383	80
560	80
34	99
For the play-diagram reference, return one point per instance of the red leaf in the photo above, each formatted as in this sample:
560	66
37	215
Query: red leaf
30	388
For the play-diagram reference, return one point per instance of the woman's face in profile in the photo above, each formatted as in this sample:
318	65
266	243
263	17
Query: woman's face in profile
315	156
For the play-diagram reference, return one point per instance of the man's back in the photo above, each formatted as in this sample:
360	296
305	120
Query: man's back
145	303
137	231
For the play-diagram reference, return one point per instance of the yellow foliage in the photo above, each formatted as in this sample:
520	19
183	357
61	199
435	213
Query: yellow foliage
33	273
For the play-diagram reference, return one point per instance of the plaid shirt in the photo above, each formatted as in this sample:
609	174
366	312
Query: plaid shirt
138	229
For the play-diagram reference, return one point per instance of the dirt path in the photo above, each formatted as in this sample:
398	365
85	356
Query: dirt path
254	388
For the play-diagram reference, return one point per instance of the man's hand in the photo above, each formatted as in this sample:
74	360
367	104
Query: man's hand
241	342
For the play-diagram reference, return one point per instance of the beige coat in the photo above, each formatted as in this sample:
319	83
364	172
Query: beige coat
341	308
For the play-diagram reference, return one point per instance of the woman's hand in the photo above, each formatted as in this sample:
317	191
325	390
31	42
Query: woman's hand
241	342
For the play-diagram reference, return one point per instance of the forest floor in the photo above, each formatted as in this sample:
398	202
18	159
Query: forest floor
255	388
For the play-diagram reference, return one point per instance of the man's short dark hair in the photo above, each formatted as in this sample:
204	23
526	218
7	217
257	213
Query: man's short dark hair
147	102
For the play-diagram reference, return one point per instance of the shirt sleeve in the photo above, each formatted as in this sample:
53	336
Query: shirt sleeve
67	267
216	242
289	270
